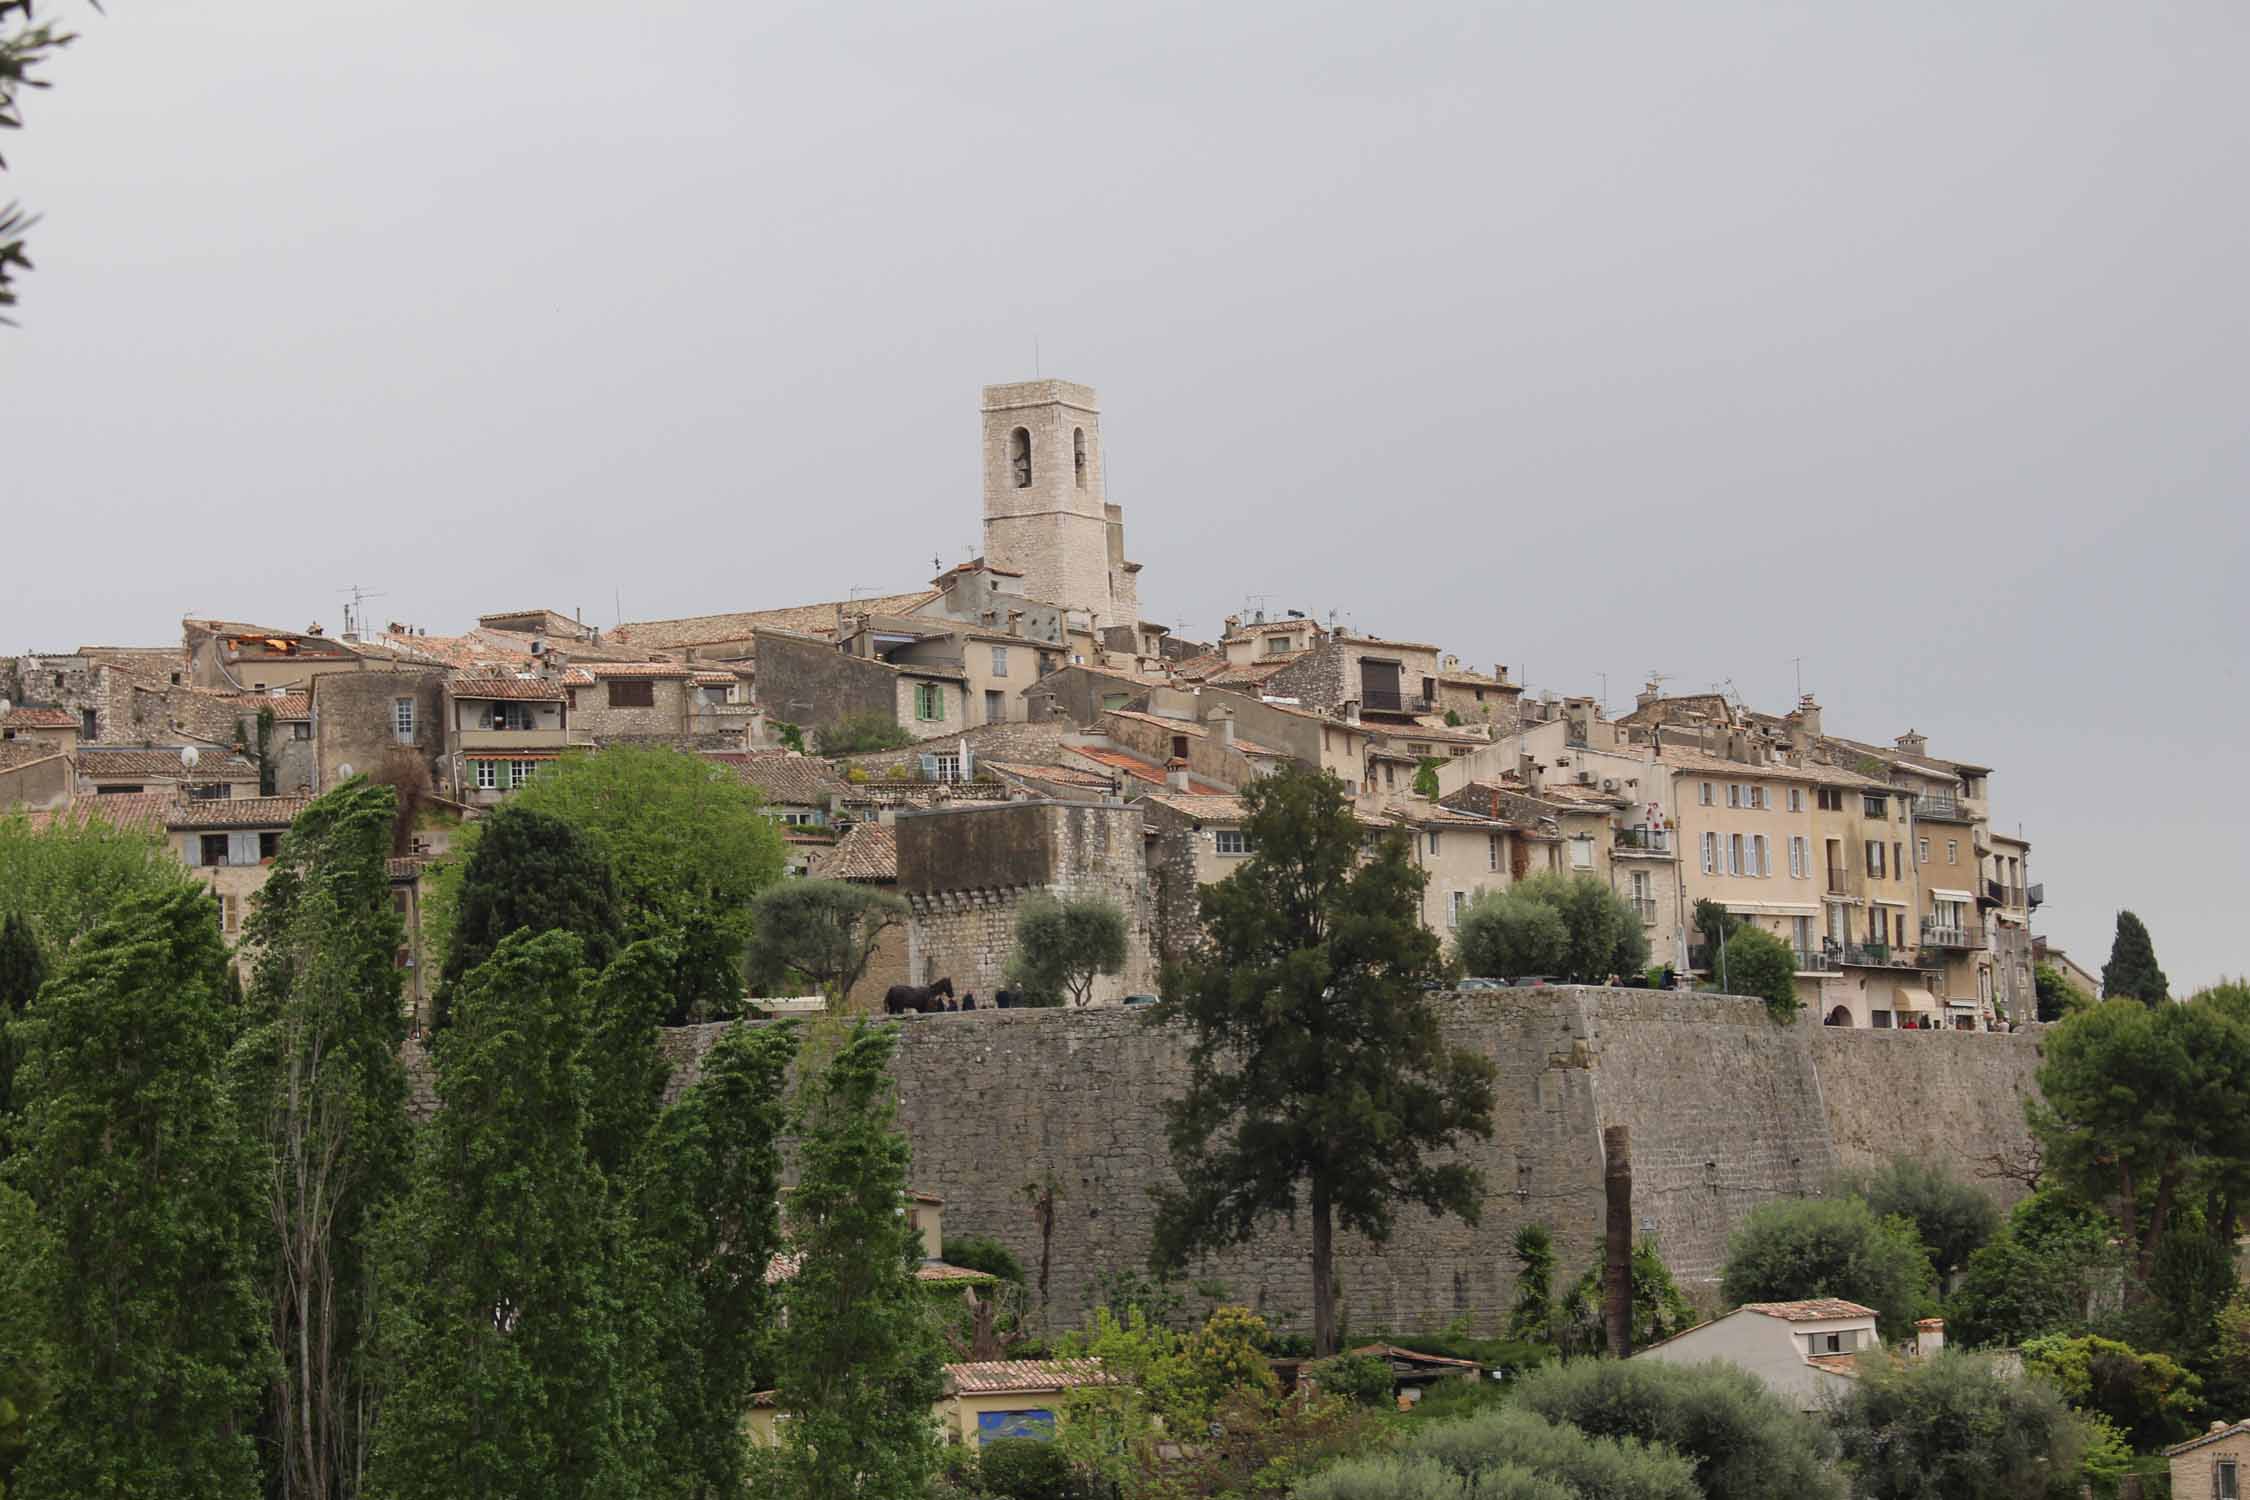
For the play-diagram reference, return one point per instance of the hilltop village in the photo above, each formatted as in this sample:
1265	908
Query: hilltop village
1014	726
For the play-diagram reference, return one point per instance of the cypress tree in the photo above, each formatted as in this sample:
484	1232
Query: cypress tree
2132	971
147	1196
859	1357
532	872
626	1072
502	1336
322	1089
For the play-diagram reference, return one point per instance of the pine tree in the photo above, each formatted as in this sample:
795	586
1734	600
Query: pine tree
705	1210
22	971
321	1087
1315	1060
859	1358
148	1194
499	1327
529	872
2132	972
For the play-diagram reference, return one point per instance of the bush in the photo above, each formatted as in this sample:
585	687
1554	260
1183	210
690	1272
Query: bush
980	1253
2149	1398
1355	1377
1505	935
1830	1247
1605	930
1615	1468
855	734
1744	1442
1953	1218
1755	962
1955	1427
1026	1469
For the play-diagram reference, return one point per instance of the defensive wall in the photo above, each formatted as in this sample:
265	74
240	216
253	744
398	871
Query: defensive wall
1727	1111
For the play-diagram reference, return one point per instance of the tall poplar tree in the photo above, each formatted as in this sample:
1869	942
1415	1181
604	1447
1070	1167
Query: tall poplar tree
148	1196
527	871
859	1357
321	1087
499	1323
1315	1061
22	971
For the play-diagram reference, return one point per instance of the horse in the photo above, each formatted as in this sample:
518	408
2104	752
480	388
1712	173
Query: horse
921	999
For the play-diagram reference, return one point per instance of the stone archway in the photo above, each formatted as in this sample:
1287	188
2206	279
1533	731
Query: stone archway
1840	1016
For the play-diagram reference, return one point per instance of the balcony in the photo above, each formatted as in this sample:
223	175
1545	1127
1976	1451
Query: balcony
1381	701
1942	807
489	740
1811	962
1938	935
2003	894
2035	896
1649	841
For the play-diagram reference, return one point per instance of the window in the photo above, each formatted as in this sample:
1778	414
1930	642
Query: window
402	720
519	771
1734	854
230	913
85	716
946	766
1898	860
300	730
2226	1484
1492	851
1704	796
1921	851
1875	859
516	716
1875	806
1734	794
1799	856
1756	797
999	661
1078	454
1179	747
1800	933
1019	457
1831	799
929	701
1456	903
269	846
995	707
1710	854
631	693
1796	799
488	775
1953	851
213	848
1433	843
1758	864
1277	645
209	791
1232	841
1582	852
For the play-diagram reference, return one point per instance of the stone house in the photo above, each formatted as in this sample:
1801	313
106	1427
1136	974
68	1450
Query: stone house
966	871
800	790
1320	740
360	718
1461	854
1363	677
185	770
2214	1464
284	756
2008	900
610	702
230	845
499	731
1047	516
34	776
1803	1352
50	728
1475	698
227	657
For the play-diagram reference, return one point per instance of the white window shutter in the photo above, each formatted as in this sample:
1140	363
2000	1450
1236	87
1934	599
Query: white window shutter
242	848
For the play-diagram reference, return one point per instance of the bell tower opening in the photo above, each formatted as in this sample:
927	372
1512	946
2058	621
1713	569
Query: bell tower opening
1019	458
1078	454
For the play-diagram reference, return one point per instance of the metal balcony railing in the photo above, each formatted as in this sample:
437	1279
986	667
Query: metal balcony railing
1642	840
1939	935
1943	806
1381	701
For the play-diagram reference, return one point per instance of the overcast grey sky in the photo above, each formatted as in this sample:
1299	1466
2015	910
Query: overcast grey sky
1908	338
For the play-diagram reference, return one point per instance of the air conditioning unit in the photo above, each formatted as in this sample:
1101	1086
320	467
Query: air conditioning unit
1609	783
1585	778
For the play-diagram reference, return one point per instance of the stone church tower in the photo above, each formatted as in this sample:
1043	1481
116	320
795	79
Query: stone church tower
1046	513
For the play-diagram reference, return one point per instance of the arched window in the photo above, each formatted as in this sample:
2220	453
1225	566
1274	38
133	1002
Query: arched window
1019	457
1078	454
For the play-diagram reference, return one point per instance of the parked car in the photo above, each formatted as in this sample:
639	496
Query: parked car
1535	981
1473	983
1140	999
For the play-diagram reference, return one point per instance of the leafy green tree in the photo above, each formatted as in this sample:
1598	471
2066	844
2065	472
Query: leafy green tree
1510	1452
1753	961
1605	932
625	1071
2150	1398
2132	972
2134	1100
1953	1218
1744	1442
1315	1059
148	1193
523	871
1797	1248
318	1081
858	1358
2056	996
1713	922
826	930
856	734
1956	1428
1533	1316
26	1365
2041	1274
703	1204
23	969
65	879
1509	934
1659	1309
501	1325
26	44
1426	778
1063	945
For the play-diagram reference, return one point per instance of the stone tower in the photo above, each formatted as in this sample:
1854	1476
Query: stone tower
1046	513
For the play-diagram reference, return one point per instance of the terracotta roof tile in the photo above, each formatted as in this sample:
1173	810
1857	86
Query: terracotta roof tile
285	706
809	619
1141	770
235	812
784	776
867	851
514	689
649	669
38	718
1811	1310
15	753
129	812
1212	809
115	761
1000	1377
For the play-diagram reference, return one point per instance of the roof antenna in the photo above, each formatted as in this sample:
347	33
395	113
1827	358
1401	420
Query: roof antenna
1036	373
1800	665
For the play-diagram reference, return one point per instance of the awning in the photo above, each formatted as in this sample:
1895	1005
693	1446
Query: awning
1774	908
1912	999
497	756
1885	901
1962	896
1967	1005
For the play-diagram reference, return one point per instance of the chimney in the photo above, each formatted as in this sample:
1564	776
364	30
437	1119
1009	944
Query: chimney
1222	719
1349	711
1914	744
1647	695
1232	625
1176	775
1929	1337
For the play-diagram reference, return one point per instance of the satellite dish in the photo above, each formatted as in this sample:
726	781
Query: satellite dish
6	708
344	770
189	755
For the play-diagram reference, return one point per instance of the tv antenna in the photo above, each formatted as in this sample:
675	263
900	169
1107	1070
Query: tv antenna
1799	663
355	612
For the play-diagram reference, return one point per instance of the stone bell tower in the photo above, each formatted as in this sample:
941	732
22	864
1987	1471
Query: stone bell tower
1046	512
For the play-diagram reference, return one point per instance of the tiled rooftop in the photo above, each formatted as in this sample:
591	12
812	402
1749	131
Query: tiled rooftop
514	689
867	851
1001	1377
808	619
38	718
235	812
1812	1310
129	812
109	762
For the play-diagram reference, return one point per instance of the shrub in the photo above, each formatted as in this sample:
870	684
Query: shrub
1354	1377
1026	1469
1954	1219
1504	935
2149	1398
2041	1275
982	1253
856	734
1955	1427
1830	1247
1744	1442
1755	962
1615	1468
